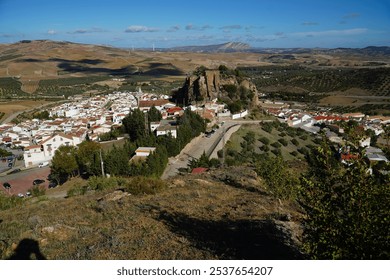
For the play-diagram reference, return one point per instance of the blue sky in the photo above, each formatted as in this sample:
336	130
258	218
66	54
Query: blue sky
167	23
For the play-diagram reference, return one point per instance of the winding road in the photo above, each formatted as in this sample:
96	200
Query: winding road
210	145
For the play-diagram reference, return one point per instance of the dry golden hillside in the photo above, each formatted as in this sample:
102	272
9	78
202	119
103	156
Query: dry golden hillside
207	216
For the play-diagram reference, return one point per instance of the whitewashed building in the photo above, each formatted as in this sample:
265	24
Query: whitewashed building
45	149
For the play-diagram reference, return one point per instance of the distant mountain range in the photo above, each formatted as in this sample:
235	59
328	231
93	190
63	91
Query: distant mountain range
230	47
226	47
243	47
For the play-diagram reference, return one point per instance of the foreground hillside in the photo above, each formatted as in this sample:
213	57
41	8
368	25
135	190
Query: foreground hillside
211	216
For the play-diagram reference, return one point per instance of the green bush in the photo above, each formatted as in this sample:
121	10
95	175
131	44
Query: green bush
77	190
283	141
303	137
265	148
264	140
295	142
144	185
277	152
37	190
267	127
294	153
100	183
276	145
7	202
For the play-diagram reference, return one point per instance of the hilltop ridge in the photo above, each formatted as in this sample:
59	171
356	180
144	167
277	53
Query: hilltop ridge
225	47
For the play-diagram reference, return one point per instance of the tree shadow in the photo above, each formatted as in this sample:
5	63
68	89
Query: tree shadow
84	66
235	239
27	249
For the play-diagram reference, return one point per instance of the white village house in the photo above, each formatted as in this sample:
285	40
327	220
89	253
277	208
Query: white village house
44	151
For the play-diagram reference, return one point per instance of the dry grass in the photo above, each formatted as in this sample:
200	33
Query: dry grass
194	218
11	107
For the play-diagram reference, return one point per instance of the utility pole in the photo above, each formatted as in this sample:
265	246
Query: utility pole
101	163
223	147
146	123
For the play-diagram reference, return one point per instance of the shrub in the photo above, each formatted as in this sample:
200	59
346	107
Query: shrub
277	152
264	140
37	190
144	185
77	190
276	145
303	137
283	141
267	127
294	153
265	148
295	142
304	151
99	183
7	202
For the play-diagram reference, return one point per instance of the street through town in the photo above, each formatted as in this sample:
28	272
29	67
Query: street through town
209	145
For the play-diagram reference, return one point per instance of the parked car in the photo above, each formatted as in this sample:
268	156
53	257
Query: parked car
52	185
20	195
7	185
38	181
42	164
14	171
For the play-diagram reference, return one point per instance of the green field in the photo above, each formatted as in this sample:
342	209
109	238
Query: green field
289	149
374	80
10	88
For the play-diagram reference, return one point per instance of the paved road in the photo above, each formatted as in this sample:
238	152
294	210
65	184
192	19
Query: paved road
21	182
15	114
201	144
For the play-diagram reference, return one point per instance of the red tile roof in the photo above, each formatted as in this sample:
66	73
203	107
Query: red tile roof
329	118
349	156
199	170
174	110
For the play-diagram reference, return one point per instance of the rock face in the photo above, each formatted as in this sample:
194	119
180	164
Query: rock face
208	86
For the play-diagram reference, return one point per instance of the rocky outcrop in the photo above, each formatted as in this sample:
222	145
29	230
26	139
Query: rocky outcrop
209	85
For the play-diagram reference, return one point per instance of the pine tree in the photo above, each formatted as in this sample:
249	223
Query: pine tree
64	164
347	209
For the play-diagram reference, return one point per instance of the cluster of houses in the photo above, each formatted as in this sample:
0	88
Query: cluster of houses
311	121
71	122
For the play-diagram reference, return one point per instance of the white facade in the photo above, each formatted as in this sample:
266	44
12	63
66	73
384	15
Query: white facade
240	115
166	130
33	155
154	125
45	149
144	151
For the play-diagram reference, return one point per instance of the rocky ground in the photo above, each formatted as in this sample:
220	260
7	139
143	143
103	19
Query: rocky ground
222	214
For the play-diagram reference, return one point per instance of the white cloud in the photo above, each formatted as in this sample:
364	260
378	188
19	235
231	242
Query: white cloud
140	28
174	28
90	30
310	23
351	15
234	26
343	32
51	32
201	28
229	28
